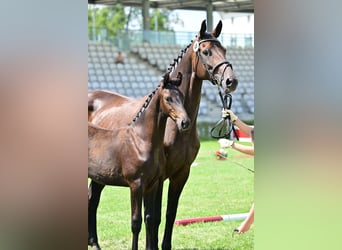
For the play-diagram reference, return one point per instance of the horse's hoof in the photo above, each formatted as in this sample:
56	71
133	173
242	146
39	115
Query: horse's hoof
96	247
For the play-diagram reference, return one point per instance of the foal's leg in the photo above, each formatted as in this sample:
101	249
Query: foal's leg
175	189
94	194
136	203
152	208
158	208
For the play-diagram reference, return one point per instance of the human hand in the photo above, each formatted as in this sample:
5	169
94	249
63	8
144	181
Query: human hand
228	112
225	143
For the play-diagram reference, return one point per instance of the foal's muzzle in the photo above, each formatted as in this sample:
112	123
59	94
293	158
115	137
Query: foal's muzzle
185	124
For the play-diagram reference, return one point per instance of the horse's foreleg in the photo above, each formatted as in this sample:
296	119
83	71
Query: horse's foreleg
94	194
152	203
136	219
175	189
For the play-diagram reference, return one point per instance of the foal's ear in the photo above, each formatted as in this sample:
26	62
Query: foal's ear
165	79
217	31
175	81
178	81
203	29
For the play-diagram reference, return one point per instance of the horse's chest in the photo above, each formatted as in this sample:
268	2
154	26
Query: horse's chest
181	154
183	148
142	154
153	159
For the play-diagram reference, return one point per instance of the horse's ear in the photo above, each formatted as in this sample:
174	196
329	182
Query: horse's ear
217	30
203	29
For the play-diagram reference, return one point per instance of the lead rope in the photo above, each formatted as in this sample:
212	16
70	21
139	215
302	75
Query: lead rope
224	126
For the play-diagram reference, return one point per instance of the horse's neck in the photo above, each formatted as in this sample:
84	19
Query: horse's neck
151	124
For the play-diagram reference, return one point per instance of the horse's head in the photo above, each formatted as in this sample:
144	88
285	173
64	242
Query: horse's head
209	59
172	101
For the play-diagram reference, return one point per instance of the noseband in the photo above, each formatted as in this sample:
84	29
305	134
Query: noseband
211	69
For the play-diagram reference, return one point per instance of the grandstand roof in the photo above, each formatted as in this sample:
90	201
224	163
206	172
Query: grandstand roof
246	6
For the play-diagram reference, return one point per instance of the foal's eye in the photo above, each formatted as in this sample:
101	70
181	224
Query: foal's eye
206	52
168	99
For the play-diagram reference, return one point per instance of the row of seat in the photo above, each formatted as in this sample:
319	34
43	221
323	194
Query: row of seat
129	80
162	48
161	57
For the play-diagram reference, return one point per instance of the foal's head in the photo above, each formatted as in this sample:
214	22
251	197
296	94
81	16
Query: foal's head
172	101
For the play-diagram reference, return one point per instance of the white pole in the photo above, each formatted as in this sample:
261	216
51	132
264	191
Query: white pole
234	216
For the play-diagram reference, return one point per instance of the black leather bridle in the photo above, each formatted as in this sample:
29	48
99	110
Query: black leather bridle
211	69
224	127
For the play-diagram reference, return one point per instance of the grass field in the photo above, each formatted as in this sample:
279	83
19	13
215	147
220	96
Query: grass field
215	187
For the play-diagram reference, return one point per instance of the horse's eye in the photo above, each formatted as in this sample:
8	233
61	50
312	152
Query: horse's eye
206	52
169	99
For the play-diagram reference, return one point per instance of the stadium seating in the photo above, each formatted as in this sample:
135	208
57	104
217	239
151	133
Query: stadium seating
145	64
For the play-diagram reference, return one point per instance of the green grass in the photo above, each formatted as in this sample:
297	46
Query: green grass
215	187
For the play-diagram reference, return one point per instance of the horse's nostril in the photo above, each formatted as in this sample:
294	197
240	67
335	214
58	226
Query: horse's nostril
229	82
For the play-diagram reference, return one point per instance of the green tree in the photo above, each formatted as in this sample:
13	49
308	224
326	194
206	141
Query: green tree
159	19
90	22
134	16
108	21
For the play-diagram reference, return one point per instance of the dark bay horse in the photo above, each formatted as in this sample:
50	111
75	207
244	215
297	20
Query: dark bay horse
203	59
133	155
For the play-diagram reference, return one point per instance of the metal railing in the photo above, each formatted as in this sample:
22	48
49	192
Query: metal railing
124	39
